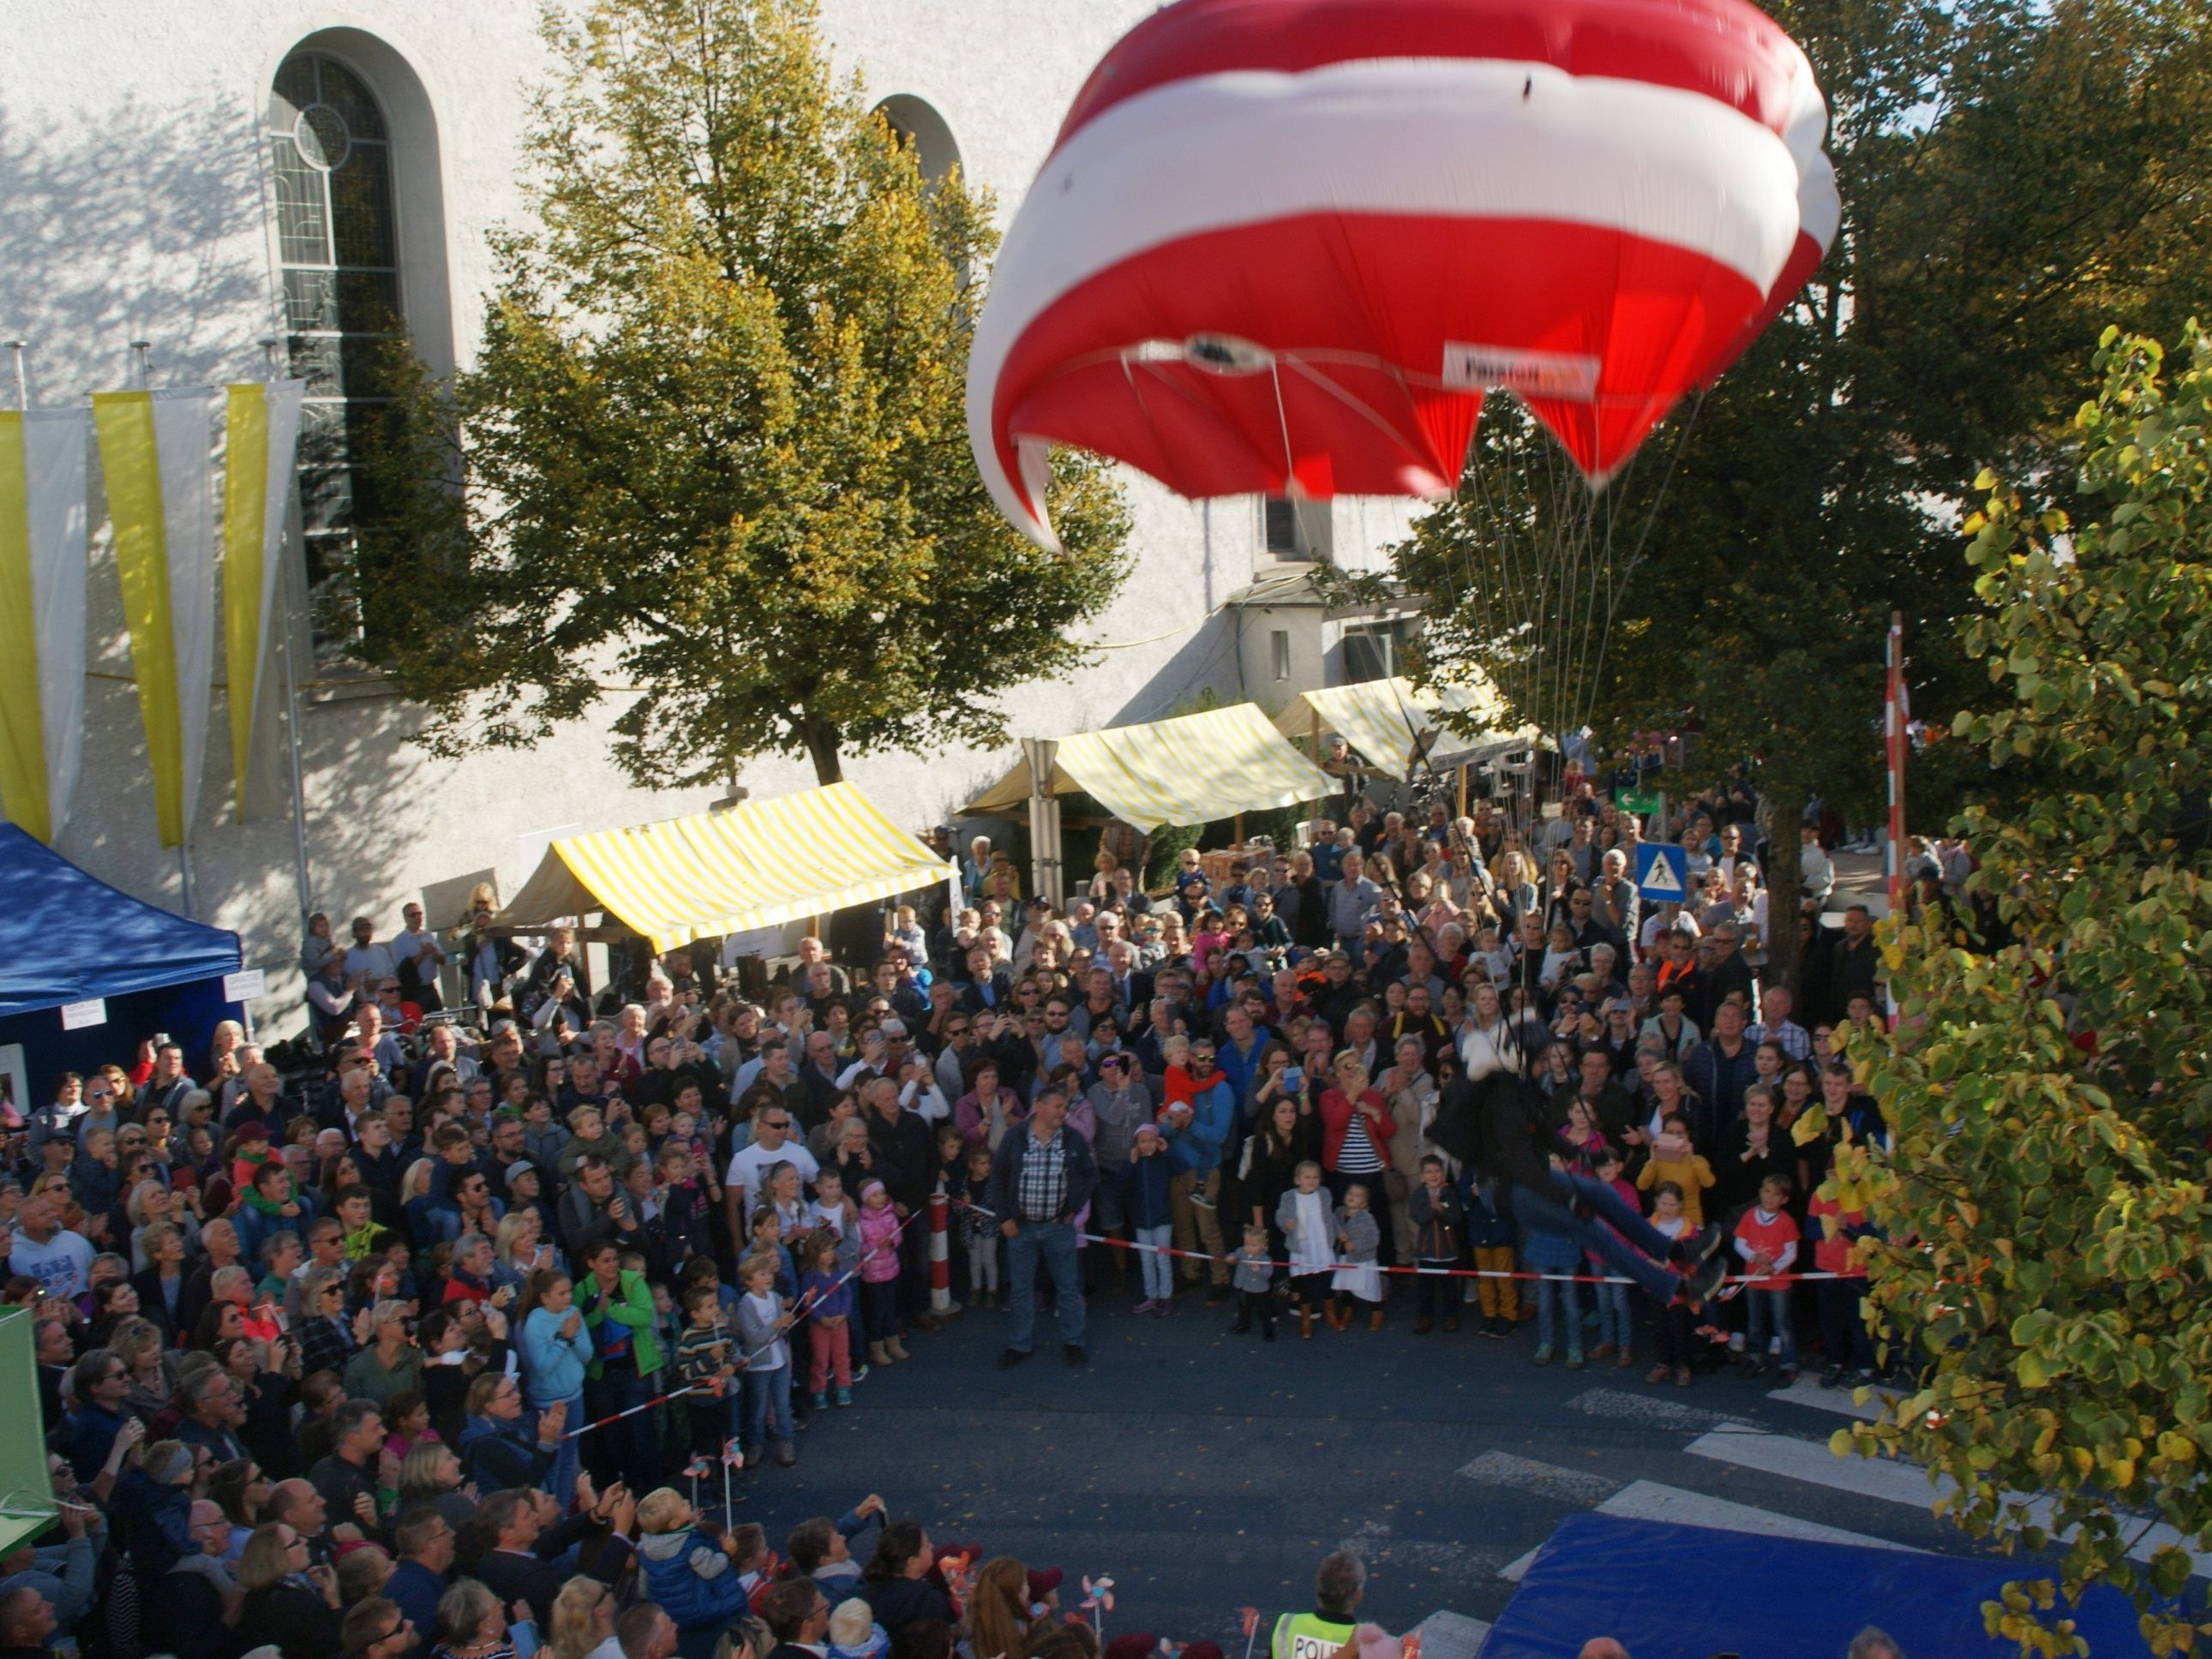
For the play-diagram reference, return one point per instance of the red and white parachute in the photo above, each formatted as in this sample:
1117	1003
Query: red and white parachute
1284	246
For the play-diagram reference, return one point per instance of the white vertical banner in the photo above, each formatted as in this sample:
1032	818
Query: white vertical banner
42	614
261	432
184	437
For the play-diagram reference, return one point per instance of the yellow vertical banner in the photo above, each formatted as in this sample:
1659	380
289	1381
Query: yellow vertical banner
261	429
42	615
157	459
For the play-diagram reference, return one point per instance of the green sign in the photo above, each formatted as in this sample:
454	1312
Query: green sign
1637	800
27	1496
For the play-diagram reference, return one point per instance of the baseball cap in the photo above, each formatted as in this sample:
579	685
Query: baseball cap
516	1171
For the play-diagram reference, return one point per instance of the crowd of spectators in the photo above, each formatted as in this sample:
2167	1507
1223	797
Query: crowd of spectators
313	1343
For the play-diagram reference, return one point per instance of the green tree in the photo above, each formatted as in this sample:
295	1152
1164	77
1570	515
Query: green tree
2012	174
2045	1197
715	448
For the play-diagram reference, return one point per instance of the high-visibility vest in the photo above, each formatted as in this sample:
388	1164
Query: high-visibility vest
1309	1635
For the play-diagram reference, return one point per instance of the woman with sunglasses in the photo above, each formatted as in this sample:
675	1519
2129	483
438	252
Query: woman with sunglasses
280	1610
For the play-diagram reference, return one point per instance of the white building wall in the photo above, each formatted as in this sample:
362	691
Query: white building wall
132	175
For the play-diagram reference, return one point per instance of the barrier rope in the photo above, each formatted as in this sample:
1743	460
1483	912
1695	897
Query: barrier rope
1731	1284
1738	1280
799	1312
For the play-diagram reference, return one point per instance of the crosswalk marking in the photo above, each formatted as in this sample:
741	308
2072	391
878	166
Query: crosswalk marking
1653	1500
1884	1478
1807	1391
1498	1468
1649	1500
1890	1480
1660	1414
1447	1635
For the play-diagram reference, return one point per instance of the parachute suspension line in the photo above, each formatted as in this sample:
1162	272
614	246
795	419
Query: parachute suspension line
1615	590
1292	493
1509	643
1576	712
1544	524
1571	514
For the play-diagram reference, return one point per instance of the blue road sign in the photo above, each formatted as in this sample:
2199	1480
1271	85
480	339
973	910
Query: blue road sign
1661	872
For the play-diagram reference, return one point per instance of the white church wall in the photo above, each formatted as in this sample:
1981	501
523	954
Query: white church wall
131	158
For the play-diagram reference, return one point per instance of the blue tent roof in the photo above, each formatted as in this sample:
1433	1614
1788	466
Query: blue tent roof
1670	1592
66	936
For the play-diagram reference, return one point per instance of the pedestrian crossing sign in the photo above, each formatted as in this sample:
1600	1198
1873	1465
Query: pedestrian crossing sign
1661	872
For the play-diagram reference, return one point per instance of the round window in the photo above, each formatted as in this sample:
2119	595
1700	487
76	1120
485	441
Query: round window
320	133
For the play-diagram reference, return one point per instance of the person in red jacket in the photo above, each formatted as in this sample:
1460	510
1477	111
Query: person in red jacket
1767	1238
1843	1327
1356	1126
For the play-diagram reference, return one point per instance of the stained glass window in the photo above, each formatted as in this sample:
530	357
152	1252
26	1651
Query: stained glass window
338	238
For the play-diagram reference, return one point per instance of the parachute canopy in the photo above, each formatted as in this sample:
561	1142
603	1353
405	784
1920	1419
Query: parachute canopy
1285	247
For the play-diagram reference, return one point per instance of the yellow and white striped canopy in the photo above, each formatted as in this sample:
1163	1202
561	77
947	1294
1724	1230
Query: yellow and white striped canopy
1382	719
1192	769
758	863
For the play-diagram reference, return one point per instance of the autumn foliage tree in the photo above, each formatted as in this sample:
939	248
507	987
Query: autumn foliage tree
2047	1201
712	461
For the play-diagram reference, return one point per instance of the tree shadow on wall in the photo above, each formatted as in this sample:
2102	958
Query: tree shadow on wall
143	222
149	221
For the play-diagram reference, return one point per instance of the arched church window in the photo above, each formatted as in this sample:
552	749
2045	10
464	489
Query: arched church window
338	245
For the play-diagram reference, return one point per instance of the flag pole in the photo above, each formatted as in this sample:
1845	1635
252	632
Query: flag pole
288	550
1893	727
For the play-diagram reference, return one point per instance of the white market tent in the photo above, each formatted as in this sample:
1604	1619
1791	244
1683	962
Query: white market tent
758	863
1194	769
1385	720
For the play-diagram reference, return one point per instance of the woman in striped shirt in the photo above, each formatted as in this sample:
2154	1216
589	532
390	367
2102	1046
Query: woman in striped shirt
1355	1128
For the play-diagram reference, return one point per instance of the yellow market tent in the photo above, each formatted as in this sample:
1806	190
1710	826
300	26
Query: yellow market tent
758	863
1192	769
1384	719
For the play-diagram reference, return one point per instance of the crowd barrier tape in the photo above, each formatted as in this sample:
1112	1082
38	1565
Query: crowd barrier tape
1732	1283
940	1291
798	1310
1738	1281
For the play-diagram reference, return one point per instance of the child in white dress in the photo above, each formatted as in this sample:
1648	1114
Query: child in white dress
1360	1279
1308	1223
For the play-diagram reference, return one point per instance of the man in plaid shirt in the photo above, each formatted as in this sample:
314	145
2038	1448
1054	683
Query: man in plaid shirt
1043	1176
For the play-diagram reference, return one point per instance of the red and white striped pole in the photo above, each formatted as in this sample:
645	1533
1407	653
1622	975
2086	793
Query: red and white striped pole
1893	731
940	1255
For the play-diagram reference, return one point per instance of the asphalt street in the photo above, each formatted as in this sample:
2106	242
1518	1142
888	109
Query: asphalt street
1206	1472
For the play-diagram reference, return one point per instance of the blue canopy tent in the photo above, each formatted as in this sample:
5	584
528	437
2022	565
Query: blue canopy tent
66	937
1672	1592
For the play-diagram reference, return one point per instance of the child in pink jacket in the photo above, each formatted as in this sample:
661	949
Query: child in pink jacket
879	1273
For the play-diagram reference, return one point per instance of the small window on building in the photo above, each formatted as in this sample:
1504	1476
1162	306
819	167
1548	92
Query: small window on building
1284	527
1375	650
1279	647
